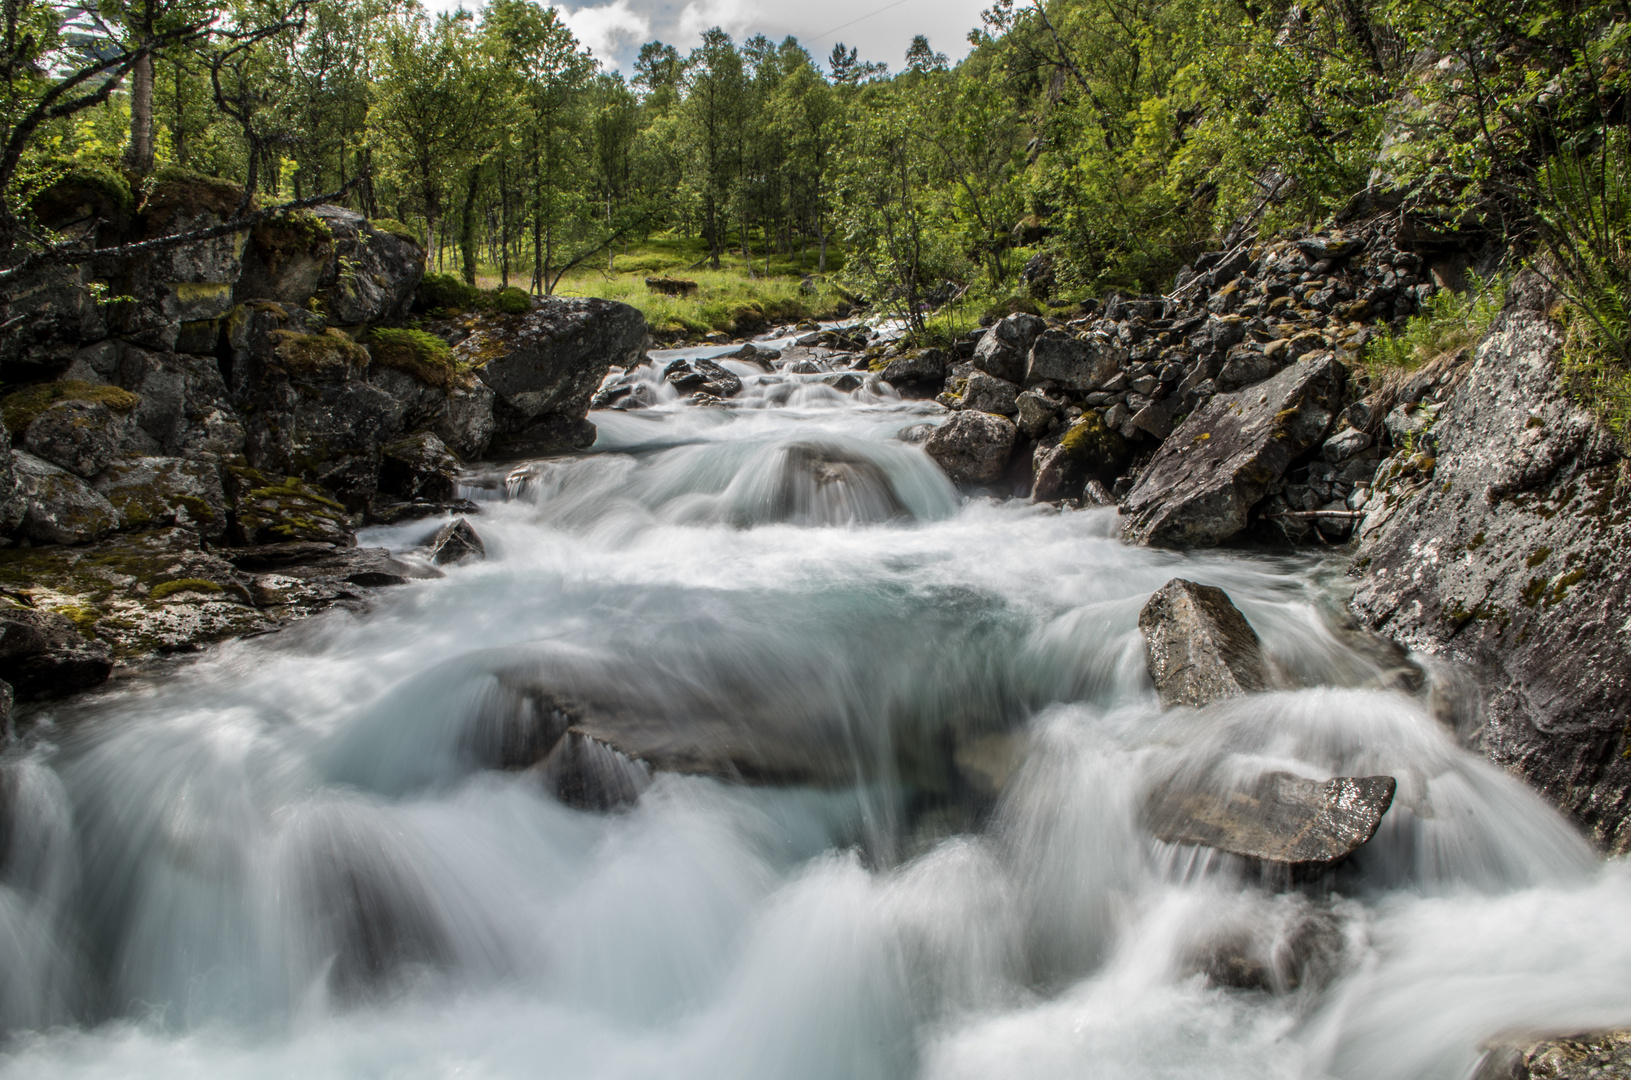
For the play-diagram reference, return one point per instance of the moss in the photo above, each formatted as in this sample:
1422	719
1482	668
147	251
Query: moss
174	188
1090	442
1476	542
1540	555
295	233
1533	591
81	188
21	408
1560	588
513	301
82	616
424	356
313	355
447	292
168	588
191	292
395	228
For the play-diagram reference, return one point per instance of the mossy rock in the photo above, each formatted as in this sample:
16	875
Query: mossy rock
299	232
173	188
448	293
1093	445
81	189
274	509
21	408
317	355
424	356
393	227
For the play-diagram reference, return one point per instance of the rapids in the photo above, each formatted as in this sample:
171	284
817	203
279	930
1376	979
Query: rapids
289	857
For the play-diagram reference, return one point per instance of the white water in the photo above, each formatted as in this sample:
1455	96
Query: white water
287	860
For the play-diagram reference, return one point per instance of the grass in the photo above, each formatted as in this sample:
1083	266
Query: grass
1449	322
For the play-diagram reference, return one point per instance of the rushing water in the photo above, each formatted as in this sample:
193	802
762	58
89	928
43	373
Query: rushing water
286	859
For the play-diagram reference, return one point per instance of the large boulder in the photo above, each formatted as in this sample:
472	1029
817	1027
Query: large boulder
279	509
80	436
1005	349
59	507
419	466
149	492
545	365
186	283
972	447
1199	647
372	272
1501	542
987	393
920	373
1289	821
43	654
1201	485
183	408
1074	364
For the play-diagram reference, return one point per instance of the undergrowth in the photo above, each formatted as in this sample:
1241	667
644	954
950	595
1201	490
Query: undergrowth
1448	322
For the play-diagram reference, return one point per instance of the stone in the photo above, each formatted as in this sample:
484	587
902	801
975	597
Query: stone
1407	423
466	425
1297	947
587	773
1246	366
80	436
156	491
371	273
1004	351
59	507
1198	647
418	466
917	374
825	484
1201	485
1072	363
372	567
272	508
1590	1055
972	447
987	393
184	408
1154	419
456	542
1035	412
549	361
1345	444
13	504
43	654
1281	819
1506	554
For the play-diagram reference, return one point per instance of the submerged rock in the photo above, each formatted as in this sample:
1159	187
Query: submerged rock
1282	819
586	773
1596	1055
456	542
972	447
1199	647
1207	476
823	484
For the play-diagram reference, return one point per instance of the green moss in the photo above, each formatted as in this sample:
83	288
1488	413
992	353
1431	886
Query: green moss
21	408
1540	555
447	292
424	356
82	616
168	588
1560	588
312	355
513	301
299	232
395	228
174	188
79	188
1090	442
1476	542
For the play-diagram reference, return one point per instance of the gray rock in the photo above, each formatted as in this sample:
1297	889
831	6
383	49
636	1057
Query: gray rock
550	361
1205	478
1591	1055
1199	647
467	424
1005	349
42	654
1508	556
1154	419
456	542
1072	363
825	484
920	373
972	447
80	436
1345	444
12	502
372	567
369	274
1036	411
1406	423
987	393
156	491
589	773
1284	820
418	466
8	698
59	507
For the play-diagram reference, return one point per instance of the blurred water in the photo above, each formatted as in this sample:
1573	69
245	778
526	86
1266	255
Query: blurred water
296	857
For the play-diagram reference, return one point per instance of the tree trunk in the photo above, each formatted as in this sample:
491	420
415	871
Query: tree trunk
467	237
139	153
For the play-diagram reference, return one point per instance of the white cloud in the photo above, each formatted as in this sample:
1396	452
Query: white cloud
734	16
608	29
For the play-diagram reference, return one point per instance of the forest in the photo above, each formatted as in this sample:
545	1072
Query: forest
1092	144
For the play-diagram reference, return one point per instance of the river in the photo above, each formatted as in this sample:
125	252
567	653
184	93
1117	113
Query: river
284	858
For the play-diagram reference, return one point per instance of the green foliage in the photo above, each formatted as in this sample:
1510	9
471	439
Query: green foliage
19	409
1448	322
424	356
448	293
395	228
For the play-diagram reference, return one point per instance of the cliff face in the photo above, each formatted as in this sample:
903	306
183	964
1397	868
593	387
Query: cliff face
1505	549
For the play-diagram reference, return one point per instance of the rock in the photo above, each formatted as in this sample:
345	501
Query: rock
80	436
589	774
1036	412
987	393
1594	1055
154	491
184	407
13	504
972	447
281	508
372	567
1199	647
825	484
702	377
43	654
371	273
466	425
59	507
1344	445
1296	949
1284	820
548	362
456	542
918	374
1506	553
1153	419
1072	363
418	466
8	698
1407	423
1005	349
1206	477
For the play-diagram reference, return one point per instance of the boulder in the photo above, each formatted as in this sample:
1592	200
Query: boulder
972	447
588	773
1005	349
545	365
1345	444
183	408
1073	363
43	654
155	491
59	507
419	466
1035	412
1506	552
918	374
372	567
1592	1055
456	542
371	273
13	504
80	436
1204	480
825	484
1199	647
1284	820
272	508
987	393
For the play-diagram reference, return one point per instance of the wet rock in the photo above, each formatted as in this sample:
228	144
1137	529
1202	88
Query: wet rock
1075	364
1508	557
987	763
59	507
1295	949
589	774
418	466
1205	478
1281	819
43	654
972	447
824	484
1005	349
372	567
80	436
456	542
986	393
155	491
918	374
272	508
1199	647
1593	1055
548	436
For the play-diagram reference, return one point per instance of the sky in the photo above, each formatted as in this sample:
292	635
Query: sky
879	29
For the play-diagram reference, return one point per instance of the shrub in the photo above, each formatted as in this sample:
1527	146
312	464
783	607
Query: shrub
1448	321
